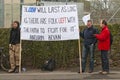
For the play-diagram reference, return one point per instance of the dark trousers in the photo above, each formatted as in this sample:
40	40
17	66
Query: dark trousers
88	49
105	61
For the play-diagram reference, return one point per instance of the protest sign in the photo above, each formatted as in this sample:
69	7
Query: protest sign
49	23
86	18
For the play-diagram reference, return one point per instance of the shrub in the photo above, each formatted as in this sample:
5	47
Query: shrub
34	54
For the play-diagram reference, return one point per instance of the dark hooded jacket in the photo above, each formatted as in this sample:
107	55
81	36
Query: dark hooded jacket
15	36
87	35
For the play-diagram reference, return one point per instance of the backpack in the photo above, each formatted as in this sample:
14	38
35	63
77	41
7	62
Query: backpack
49	65
111	38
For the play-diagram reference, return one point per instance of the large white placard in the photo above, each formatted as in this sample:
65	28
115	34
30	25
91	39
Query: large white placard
49	23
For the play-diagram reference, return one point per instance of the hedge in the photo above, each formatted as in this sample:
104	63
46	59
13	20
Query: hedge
65	53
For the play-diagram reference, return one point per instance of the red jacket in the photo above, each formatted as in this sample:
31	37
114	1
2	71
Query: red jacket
103	39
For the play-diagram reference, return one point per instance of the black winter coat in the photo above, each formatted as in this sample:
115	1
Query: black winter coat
14	36
87	35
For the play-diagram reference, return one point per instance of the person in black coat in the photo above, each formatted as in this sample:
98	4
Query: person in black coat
88	45
14	47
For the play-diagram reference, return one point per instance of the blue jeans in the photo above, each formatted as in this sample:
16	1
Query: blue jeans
88	49
105	61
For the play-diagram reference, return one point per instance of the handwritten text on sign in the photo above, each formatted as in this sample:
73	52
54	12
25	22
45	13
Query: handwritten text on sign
49	23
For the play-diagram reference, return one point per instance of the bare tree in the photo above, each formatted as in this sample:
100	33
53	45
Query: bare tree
103	9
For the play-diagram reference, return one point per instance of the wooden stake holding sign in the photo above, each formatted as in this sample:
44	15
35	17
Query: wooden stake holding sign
80	55
20	56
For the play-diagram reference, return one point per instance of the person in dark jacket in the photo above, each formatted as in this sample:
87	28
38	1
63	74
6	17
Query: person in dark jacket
14	47
104	46
88	45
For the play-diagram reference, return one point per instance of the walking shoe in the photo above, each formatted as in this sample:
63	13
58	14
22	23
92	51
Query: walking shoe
82	71
17	69
100	72
90	71
105	72
11	70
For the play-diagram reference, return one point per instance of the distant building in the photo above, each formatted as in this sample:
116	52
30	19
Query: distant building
1	13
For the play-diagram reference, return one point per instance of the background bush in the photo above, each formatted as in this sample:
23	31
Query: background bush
34	54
